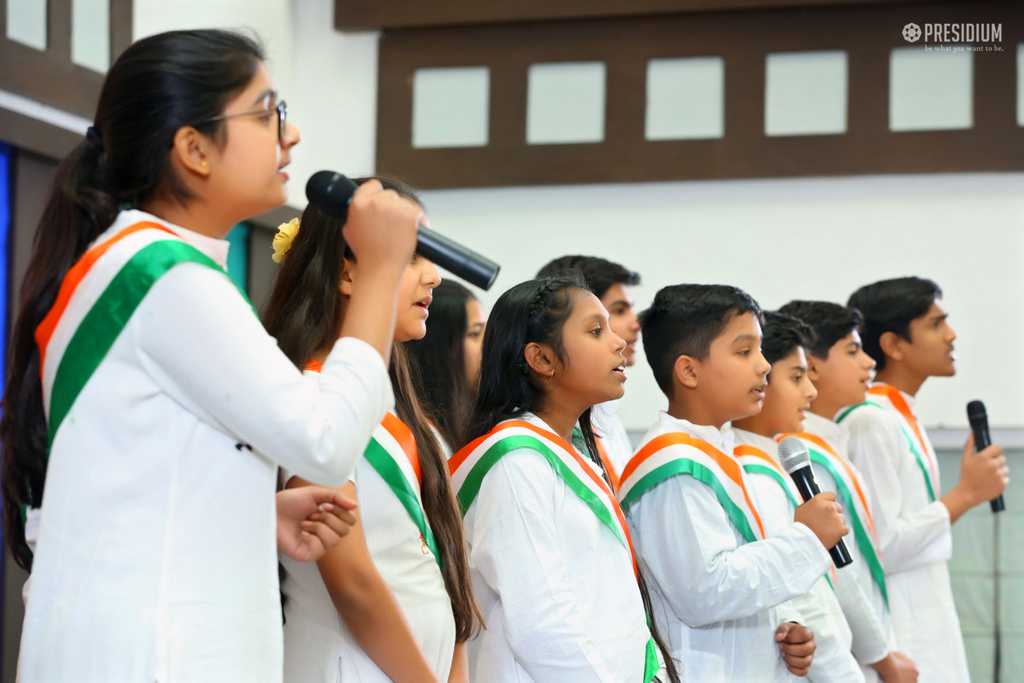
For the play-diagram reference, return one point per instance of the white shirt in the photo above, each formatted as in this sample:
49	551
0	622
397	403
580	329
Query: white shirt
820	608
914	533
609	427
859	594
157	551
318	646
555	585
718	599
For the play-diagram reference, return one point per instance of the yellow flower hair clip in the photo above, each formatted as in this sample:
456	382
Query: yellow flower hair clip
286	233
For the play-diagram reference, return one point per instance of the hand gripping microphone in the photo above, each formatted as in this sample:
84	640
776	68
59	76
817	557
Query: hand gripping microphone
332	193
797	462
978	417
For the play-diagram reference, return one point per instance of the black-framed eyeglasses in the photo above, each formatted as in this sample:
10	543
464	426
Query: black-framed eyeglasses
282	117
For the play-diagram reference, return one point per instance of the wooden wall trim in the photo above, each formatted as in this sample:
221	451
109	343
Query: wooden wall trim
46	139
389	14
743	39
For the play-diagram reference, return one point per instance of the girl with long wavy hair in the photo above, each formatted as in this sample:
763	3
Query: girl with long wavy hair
393	601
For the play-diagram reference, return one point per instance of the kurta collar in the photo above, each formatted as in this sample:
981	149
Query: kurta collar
764	443
722	439
835	434
216	249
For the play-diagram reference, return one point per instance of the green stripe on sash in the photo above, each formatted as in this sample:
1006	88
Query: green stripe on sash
108	317
388	469
910	442
471	487
774	474
867	548
684	466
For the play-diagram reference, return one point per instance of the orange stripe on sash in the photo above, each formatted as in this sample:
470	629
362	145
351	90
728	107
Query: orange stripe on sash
730	467
613	476
404	436
314	366
900	403
746	449
818	441
72	279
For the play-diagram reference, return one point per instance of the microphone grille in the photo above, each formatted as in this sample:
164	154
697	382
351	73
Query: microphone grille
793	454
975	410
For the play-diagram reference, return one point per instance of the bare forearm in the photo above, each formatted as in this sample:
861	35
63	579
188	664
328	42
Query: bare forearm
957	501
460	665
378	625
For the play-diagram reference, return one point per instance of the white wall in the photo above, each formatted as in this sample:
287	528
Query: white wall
778	239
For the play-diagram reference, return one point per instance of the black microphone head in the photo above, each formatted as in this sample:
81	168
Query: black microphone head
331	193
793	454
976	411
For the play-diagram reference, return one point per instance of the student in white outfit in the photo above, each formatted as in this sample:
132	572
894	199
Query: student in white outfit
841	372
552	562
720	588
787	396
163	406
393	601
610	282
906	332
447	360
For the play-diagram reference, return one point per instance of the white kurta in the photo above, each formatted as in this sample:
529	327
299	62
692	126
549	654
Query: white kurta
718	599
555	585
860	596
914	533
156	558
609	427
833	661
318	646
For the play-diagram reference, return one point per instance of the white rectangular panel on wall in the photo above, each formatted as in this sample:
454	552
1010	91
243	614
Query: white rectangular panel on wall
450	107
685	98
90	34
805	93
930	90
26	22
565	103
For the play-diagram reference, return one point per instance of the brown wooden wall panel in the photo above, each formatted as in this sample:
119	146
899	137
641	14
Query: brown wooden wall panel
743	39
50	76
358	14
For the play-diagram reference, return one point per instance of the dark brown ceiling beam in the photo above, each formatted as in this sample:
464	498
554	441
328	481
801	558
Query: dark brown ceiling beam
351	15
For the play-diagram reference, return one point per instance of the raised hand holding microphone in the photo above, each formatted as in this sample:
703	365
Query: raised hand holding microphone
978	417
820	511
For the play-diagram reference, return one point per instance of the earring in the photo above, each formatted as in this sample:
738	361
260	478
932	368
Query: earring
204	164
551	376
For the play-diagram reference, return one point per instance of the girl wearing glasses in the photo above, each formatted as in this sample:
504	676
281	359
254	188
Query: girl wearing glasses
146	395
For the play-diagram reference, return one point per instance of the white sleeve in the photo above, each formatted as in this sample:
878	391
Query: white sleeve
870	644
516	552
203	345
832	663
689	547
908	539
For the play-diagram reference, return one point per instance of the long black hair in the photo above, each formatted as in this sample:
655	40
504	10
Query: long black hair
536	312
158	85
304	314
440	361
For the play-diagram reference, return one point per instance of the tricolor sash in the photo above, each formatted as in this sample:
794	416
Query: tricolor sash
472	463
852	492
609	466
926	460
755	461
392	452
95	301
677	453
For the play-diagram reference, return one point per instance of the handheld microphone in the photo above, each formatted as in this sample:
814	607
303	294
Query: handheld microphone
978	417
796	461
332	193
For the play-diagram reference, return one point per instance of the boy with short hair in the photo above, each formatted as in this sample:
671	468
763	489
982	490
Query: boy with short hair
718	586
787	396
841	372
610	282
906	332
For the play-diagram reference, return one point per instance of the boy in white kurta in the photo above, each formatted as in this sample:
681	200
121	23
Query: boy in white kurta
718	586
787	397
906	332
840	371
